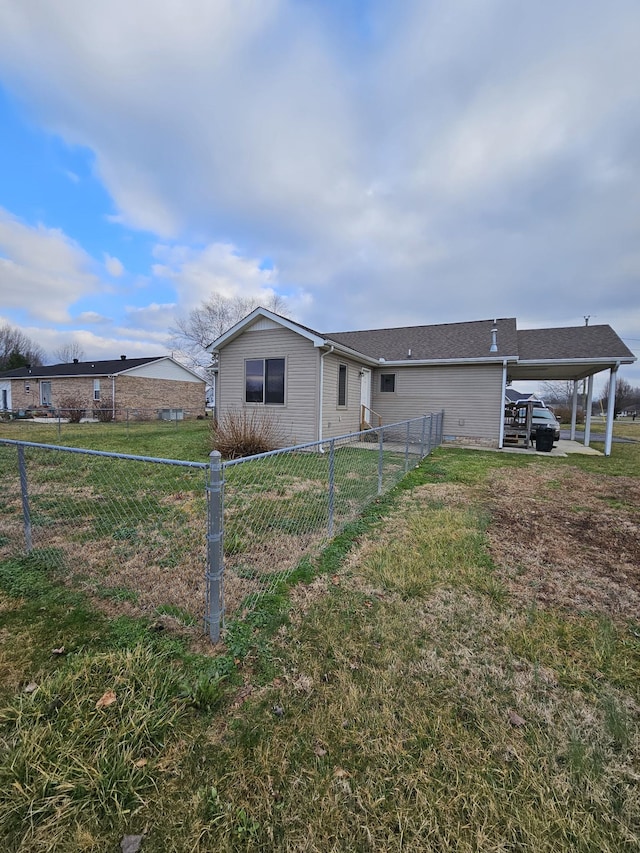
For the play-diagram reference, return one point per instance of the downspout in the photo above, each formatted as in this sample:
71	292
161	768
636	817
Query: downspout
328	352
504	392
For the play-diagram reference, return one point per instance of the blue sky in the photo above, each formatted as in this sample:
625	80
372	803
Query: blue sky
375	163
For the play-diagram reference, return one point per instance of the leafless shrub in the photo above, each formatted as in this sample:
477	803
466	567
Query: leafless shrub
245	432
103	411
72	407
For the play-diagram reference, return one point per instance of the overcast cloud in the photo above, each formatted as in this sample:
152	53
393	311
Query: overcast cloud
378	163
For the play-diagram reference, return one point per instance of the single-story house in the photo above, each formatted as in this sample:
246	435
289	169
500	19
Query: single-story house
512	395
146	385
321	385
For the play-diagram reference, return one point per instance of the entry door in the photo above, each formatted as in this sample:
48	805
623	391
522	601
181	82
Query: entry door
5	399
365	393
45	393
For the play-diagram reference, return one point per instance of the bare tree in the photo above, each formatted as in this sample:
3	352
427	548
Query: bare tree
192	334
67	352
17	349
624	398
558	393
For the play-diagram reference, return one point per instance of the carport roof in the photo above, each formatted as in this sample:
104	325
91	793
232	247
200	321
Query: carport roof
569	352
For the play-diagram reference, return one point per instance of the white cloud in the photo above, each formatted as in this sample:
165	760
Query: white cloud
113	266
218	267
455	160
43	270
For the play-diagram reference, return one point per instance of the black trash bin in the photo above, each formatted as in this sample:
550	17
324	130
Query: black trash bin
544	438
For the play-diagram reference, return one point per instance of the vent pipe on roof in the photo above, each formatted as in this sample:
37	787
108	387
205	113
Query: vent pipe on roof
123	358
75	361
494	340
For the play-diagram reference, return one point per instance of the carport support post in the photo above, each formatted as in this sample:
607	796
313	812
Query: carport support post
215	553
587	414
611	410
574	409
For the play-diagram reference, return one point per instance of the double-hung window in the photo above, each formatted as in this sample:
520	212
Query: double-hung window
342	384
264	381
96	389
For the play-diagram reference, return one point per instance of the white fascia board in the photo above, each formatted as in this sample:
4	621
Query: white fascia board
240	326
605	362
434	362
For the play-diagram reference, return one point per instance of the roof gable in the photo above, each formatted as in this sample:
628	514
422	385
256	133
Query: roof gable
259	317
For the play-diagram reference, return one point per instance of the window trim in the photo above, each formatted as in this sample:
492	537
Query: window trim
388	390
343	370
264	380
96	390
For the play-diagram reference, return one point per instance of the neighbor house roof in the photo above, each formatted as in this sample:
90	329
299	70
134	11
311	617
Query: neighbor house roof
110	367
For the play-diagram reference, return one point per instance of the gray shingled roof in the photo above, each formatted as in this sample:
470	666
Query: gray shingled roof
571	342
81	368
443	341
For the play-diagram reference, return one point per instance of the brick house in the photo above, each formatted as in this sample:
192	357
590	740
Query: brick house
150	387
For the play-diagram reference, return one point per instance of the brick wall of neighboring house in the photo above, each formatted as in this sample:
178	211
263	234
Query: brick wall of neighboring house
135	392
78	388
132	392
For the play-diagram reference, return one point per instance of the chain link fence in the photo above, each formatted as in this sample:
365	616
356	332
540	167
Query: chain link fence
59	417
129	531
151	536
282	506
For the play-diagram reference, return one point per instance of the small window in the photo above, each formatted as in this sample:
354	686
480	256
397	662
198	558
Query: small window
264	381
27	387
387	382
96	389
342	384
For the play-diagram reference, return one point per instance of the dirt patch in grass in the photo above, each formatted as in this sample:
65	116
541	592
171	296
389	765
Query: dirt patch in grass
567	539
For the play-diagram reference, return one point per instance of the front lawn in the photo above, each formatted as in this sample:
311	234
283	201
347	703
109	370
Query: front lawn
460	670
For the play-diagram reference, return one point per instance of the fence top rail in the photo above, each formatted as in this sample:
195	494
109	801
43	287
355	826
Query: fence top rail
105	453
325	441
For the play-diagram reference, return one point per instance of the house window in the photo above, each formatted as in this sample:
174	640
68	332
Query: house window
27	387
342	384
96	389
45	393
264	381
387	382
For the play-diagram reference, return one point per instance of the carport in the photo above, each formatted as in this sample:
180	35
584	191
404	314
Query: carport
573	353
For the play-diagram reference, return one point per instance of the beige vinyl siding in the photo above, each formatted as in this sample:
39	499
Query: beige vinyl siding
298	417
470	396
340	420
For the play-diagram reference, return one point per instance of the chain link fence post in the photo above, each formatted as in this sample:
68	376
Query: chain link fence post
24	491
332	481
380	459
215	554
423	436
